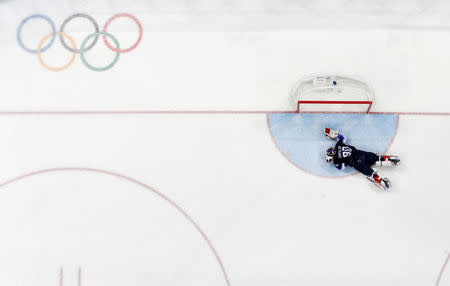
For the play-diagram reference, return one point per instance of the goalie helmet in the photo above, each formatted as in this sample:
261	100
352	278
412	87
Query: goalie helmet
329	155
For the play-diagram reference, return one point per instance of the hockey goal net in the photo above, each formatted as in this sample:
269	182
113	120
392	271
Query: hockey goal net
332	94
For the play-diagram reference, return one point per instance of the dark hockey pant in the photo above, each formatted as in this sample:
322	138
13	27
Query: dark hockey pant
363	161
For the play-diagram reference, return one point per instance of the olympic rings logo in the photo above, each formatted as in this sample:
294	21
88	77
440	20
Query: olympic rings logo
73	47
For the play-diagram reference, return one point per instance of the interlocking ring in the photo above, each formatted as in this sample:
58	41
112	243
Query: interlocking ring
79	15
84	47
24	21
83	58
141	32
39	49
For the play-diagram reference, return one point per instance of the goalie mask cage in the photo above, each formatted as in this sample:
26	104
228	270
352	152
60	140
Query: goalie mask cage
332	94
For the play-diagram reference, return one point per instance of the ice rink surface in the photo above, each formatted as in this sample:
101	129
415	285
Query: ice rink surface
296	136
163	170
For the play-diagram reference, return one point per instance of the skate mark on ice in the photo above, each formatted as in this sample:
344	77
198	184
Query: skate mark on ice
61	277
300	139
438	281
136	182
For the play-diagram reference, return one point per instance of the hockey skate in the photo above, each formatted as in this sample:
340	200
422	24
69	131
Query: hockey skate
387	160
380	181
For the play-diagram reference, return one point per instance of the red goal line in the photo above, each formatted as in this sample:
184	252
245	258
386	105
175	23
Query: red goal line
333	102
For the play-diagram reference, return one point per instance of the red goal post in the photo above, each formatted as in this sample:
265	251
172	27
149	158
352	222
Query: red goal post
332	94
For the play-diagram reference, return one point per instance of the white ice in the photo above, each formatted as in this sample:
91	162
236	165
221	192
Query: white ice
270	223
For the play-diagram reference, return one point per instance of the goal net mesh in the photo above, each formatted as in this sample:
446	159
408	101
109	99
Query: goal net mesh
332	94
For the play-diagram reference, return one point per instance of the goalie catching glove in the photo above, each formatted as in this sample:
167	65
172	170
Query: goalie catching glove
331	133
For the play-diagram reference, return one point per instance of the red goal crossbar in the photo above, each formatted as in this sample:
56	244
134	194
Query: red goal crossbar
332	102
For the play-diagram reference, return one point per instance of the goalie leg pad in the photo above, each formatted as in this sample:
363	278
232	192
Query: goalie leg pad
380	181
387	160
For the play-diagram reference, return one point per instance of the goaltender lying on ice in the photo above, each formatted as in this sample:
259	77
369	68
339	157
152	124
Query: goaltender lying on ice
345	155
